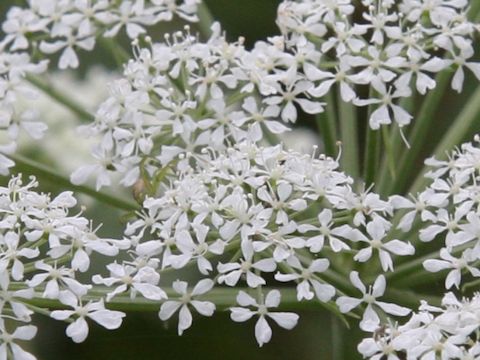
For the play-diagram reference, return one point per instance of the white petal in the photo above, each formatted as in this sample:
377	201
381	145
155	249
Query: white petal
184	319
239	314
78	330
109	319
206	308
202	287
263	332
393	309
346	303
168	308
273	299
285	320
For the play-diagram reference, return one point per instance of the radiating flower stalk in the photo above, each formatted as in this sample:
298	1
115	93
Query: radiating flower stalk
193	126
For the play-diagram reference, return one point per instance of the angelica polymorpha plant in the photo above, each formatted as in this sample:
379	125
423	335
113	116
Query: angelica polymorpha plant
193	126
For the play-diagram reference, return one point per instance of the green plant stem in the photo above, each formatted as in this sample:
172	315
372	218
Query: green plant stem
372	146
455	135
399	147
43	172
326	124
474	10
223	298
60	96
372	150
423	122
337	332
472	284
206	19
349	133
403	274
410	299
389	154
120	55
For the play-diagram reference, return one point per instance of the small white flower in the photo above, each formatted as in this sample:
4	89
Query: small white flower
8	342
263	332
205	308
370	320
95	310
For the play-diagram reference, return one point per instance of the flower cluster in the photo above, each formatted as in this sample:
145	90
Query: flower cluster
232	215
446	332
395	48
182	95
449	209
42	248
183	127
62	26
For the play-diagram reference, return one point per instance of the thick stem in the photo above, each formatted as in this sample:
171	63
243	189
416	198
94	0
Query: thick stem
372	150
223	298
454	136
43	172
60	96
206	19
326	124
423	122
349	132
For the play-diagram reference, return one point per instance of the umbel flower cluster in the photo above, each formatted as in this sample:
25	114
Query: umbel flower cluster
43	248
396	48
63	27
446	332
186	127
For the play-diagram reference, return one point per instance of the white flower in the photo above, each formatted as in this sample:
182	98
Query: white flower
370	320
57	277
458	265
8	342
263	332
329	232
377	232
95	310
306	279
231	272
205	308
143	280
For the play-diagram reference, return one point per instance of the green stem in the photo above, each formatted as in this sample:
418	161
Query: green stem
402	276
205	19
120	55
337	332
372	146
410	299
472	284
223	298
349	132
422	125
474	10
372	150
60	96
326	125
43	172
454	136
389	155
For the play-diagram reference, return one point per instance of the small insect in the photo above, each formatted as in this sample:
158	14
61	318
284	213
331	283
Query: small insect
380	332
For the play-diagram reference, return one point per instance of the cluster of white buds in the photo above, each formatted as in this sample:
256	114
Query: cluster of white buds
394	46
47	27
42	249
446	332
182	95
